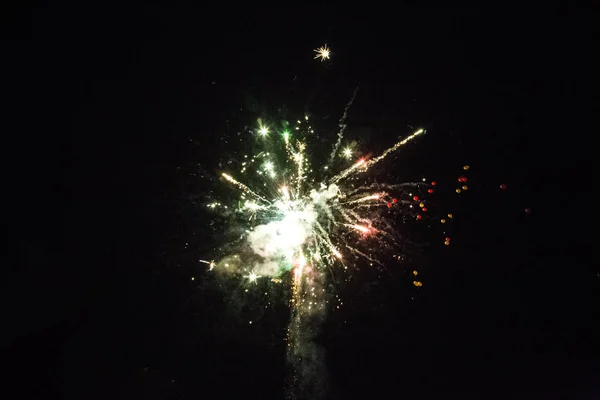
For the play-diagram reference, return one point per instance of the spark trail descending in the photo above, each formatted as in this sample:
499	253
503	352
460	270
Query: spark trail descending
293	220
342	125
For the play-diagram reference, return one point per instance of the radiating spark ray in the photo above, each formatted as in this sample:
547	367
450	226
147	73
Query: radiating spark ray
395	147
359	228
342	126
211	264
376	196
364	166
347	171
243	187
360	253
379	186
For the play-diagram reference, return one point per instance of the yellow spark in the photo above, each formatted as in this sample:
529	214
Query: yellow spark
211	264
253	206
242	187
347	172
268	166
361	228
323	53
376	196
252	277
393	148
263	129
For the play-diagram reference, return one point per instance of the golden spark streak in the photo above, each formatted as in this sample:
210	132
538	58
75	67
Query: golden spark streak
242	187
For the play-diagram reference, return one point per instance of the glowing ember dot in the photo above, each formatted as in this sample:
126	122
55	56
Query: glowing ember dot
465	187
394	200
458	190
449	215
424	209
446	243
443	221
389	205
416	198
421	205
433	183
447	239
503	186
430	191
466	167
419	216
415	273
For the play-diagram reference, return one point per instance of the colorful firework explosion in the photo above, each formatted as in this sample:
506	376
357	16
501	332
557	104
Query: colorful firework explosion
294	218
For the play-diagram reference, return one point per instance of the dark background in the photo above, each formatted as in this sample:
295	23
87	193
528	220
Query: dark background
110	110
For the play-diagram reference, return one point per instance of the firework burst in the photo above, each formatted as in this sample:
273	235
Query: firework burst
293	218
323	52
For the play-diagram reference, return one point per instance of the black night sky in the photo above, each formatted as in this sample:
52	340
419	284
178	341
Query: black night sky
109	110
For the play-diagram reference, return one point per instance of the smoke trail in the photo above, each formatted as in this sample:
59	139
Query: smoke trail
342	125
308	379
